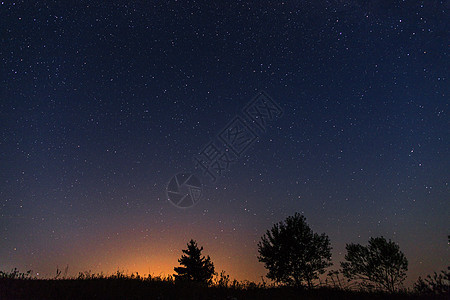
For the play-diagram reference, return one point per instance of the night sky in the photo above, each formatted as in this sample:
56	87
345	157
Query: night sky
102	103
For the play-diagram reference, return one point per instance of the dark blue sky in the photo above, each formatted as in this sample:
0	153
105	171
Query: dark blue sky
101	104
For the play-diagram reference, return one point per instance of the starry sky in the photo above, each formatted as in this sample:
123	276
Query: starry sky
102	103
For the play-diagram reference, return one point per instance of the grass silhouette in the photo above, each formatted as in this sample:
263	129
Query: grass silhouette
87	285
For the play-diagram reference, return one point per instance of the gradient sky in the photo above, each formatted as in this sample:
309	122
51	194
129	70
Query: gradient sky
102	103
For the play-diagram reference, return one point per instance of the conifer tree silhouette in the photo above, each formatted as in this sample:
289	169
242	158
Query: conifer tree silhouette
196	268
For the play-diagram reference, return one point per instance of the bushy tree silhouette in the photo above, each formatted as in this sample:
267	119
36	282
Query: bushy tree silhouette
438	284
380	264
293	254
196	268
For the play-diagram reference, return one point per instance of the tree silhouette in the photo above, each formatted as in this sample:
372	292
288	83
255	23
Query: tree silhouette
380	264
438	284
293	254
196	268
